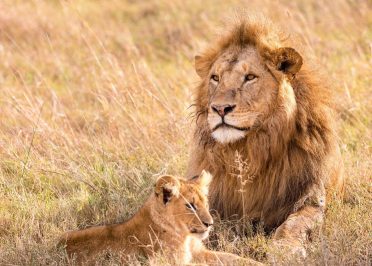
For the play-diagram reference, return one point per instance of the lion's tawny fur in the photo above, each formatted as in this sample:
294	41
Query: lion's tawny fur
292	156
164	226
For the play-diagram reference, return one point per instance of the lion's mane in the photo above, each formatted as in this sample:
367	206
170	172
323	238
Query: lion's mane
288	158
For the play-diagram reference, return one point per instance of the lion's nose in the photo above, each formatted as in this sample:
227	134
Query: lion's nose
223	109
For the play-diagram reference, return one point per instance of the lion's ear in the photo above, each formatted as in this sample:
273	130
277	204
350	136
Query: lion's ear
167	187
287	60
203	181
201	66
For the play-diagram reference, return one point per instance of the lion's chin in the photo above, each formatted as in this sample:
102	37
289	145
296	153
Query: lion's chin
226	135
202	235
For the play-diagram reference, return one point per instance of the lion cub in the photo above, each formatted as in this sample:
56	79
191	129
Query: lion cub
174	221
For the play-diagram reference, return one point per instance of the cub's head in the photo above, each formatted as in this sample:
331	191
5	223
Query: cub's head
185	203
241	77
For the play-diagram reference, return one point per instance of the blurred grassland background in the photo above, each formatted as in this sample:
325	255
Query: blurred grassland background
94	99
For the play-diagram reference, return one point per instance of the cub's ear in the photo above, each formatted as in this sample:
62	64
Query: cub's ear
167	187
287	60
201	66
203	181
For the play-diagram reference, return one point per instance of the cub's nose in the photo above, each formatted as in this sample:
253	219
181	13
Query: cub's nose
223	109
208	224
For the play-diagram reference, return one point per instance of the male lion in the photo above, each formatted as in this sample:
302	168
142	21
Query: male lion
173	221
257	100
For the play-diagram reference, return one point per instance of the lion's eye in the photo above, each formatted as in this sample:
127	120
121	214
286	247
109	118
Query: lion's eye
215	78
249	77
190	206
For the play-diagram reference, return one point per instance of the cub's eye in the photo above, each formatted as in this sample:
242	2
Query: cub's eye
215	78
249	77
190	206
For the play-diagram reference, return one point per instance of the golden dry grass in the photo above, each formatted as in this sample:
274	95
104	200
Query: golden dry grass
94	101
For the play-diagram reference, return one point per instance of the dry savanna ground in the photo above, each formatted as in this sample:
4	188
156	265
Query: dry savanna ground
94	99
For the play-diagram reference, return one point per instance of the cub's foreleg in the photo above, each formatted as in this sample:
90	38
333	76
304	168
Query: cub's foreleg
221	258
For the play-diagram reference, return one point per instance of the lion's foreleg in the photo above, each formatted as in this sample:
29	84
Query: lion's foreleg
296	229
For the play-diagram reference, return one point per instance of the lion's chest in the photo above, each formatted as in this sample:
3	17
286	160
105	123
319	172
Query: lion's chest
237	196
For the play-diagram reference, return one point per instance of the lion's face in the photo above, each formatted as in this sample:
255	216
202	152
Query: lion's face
242	87
241	93
187	203
193	209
